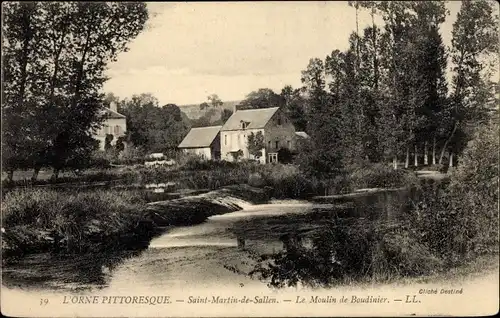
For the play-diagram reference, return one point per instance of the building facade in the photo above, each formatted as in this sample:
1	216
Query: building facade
115	124
276	128
203	142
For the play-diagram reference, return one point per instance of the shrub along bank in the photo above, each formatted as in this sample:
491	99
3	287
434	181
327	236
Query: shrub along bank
49	220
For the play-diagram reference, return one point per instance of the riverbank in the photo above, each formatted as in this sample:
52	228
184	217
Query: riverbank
37	221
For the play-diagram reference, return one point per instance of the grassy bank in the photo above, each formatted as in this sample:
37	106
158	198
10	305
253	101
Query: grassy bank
70	222
41	220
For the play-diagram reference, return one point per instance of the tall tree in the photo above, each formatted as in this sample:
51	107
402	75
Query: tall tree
73	44
23	29
323	154
429	84
344	98
295	107
474	41
397	118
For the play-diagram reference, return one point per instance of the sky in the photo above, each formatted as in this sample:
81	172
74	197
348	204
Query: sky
191	50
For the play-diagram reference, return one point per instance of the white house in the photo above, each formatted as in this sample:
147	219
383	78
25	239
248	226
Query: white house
275	126
115	125
202	141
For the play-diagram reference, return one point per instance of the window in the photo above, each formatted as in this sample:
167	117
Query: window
272	157
279	121
288	144
269	144
277	144
225	140
117	130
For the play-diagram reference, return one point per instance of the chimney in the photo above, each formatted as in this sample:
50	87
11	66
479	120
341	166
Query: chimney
113	106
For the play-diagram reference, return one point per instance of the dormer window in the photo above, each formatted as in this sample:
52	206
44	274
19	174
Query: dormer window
244	124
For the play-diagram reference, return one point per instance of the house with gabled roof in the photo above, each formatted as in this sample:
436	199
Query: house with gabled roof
115	124
275	126
203	142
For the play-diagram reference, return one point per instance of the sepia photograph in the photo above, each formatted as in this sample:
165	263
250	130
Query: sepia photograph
250	159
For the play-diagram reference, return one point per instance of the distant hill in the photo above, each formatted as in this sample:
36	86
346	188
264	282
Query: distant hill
193	111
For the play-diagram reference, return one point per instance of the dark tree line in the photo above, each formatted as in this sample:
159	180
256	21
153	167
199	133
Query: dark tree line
386	98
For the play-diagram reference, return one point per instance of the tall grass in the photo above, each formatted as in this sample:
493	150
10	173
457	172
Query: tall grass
43	219
380	175
36	220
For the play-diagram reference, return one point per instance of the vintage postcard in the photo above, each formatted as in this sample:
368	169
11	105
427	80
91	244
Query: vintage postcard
250	159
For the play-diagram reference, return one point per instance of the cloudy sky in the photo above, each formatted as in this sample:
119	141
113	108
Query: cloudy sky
191	50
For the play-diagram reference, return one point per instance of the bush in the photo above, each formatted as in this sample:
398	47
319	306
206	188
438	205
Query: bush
459	219
256	180
349	249
285	155
72	219
403	254
197	163
287	181
100	160
380	176
131	155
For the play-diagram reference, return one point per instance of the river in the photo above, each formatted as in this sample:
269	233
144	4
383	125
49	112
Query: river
215	253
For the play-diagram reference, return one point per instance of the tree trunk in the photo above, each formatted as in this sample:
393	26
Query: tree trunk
416	156
36	170
407	159
375	61
446	142
426	154
451	159
395	163
55	174
434	150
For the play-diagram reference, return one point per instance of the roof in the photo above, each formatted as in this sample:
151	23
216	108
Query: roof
257	118
302	134
112	114
200	137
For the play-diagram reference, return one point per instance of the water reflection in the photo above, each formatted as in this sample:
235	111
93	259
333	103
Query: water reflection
62	271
